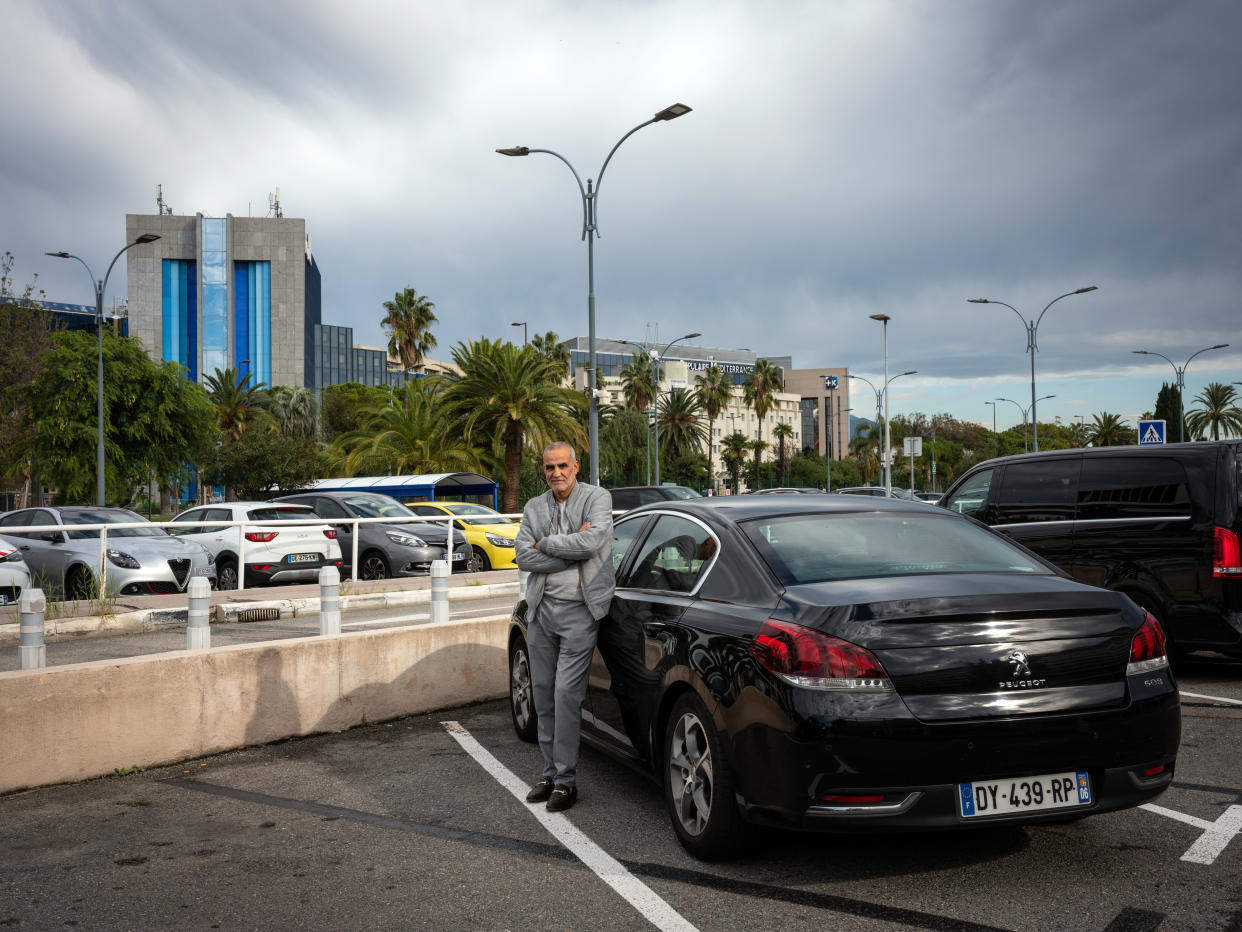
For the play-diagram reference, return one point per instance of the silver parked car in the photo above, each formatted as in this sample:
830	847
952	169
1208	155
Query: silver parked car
141	560
14	574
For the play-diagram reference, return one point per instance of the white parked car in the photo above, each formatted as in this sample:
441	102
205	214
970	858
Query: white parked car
14	574
275	551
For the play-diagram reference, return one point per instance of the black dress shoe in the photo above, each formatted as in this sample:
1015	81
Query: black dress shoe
540	791
562	798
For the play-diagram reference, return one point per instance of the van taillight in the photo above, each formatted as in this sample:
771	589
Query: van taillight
1226	554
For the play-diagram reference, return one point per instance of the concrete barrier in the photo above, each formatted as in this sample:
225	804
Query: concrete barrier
85	720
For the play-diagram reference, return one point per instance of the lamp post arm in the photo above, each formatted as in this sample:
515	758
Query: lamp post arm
599	179
1204	350
586	212
1045	311
108	274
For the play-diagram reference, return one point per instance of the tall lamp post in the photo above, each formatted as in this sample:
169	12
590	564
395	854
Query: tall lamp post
1025	412
522	324
655	378
1031	327
881	396
993	404
1181	382
888	469
100	287
590	229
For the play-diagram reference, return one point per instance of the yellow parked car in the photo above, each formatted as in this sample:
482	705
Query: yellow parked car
491	535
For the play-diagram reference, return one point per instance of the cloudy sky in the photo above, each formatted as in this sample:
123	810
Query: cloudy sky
842	159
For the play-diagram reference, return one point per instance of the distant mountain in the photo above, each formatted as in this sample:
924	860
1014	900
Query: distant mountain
857	423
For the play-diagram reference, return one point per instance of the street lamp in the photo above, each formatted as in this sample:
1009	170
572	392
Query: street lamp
100	287
1181	382
993	404
590	229
522	324
888	475
655	378
1025	412
1031	328
881	395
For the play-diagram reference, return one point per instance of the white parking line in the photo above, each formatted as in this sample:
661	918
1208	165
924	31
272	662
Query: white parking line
654	909
1212	698
1216	835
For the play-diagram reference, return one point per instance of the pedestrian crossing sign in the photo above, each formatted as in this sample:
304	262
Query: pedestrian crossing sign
1150	433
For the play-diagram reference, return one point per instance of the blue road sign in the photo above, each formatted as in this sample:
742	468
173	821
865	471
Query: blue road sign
1150	433
830	382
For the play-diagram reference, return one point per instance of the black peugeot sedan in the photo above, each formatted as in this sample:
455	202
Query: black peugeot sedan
838	663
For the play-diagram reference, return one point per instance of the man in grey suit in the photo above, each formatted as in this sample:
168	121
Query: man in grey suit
565	544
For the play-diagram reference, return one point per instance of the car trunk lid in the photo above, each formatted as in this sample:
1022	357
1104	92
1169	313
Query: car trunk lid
966	646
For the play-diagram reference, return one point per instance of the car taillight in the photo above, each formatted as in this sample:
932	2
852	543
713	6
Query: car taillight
1147	649
330	533
810	658
260	537
1226	554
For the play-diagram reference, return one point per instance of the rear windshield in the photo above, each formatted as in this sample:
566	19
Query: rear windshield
371	505
681	492
464	508
819	548
116	516
286	513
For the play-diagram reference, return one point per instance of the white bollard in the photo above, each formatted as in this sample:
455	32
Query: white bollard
30	647
439	590
197	619
329	601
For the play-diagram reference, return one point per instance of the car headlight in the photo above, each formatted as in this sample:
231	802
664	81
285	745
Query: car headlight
122	559
406	540
498	540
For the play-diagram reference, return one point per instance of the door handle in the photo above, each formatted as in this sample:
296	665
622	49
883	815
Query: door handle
655	627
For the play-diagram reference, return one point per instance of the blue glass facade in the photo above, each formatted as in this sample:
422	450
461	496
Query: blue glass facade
180	314
215	296
252	320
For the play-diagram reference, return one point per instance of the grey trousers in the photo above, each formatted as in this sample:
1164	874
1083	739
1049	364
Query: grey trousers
561	639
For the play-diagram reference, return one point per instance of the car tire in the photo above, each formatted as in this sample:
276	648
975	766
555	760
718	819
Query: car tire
521	696
373	565
226	575
698	785
78	584
479	563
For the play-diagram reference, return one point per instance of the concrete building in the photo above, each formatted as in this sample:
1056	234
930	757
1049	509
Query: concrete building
825	408
226	292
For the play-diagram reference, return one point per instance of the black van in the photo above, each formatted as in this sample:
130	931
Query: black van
1159	523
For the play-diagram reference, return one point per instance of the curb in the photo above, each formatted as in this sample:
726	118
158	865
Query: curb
159	619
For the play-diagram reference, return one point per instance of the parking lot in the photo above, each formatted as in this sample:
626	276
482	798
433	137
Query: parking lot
415	823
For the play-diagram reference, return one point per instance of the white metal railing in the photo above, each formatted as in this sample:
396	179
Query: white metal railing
18	533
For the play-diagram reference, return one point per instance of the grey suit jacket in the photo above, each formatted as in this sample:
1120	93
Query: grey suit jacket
591	549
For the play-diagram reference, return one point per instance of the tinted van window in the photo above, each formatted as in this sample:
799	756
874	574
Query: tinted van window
972	497
1040	490
1132	487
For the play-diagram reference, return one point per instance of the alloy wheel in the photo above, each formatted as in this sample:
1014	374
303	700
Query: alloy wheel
690	773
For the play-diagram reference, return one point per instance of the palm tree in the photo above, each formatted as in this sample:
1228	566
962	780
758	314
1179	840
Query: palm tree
715	390
236	401
550	347
408	325
505	397
1109	430
759	391
682	428
410	438
782	432
757	447
293	411
1218	409
733	450
638	383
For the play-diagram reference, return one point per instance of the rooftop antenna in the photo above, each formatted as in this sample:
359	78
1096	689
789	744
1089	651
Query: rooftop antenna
163	208
273	205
